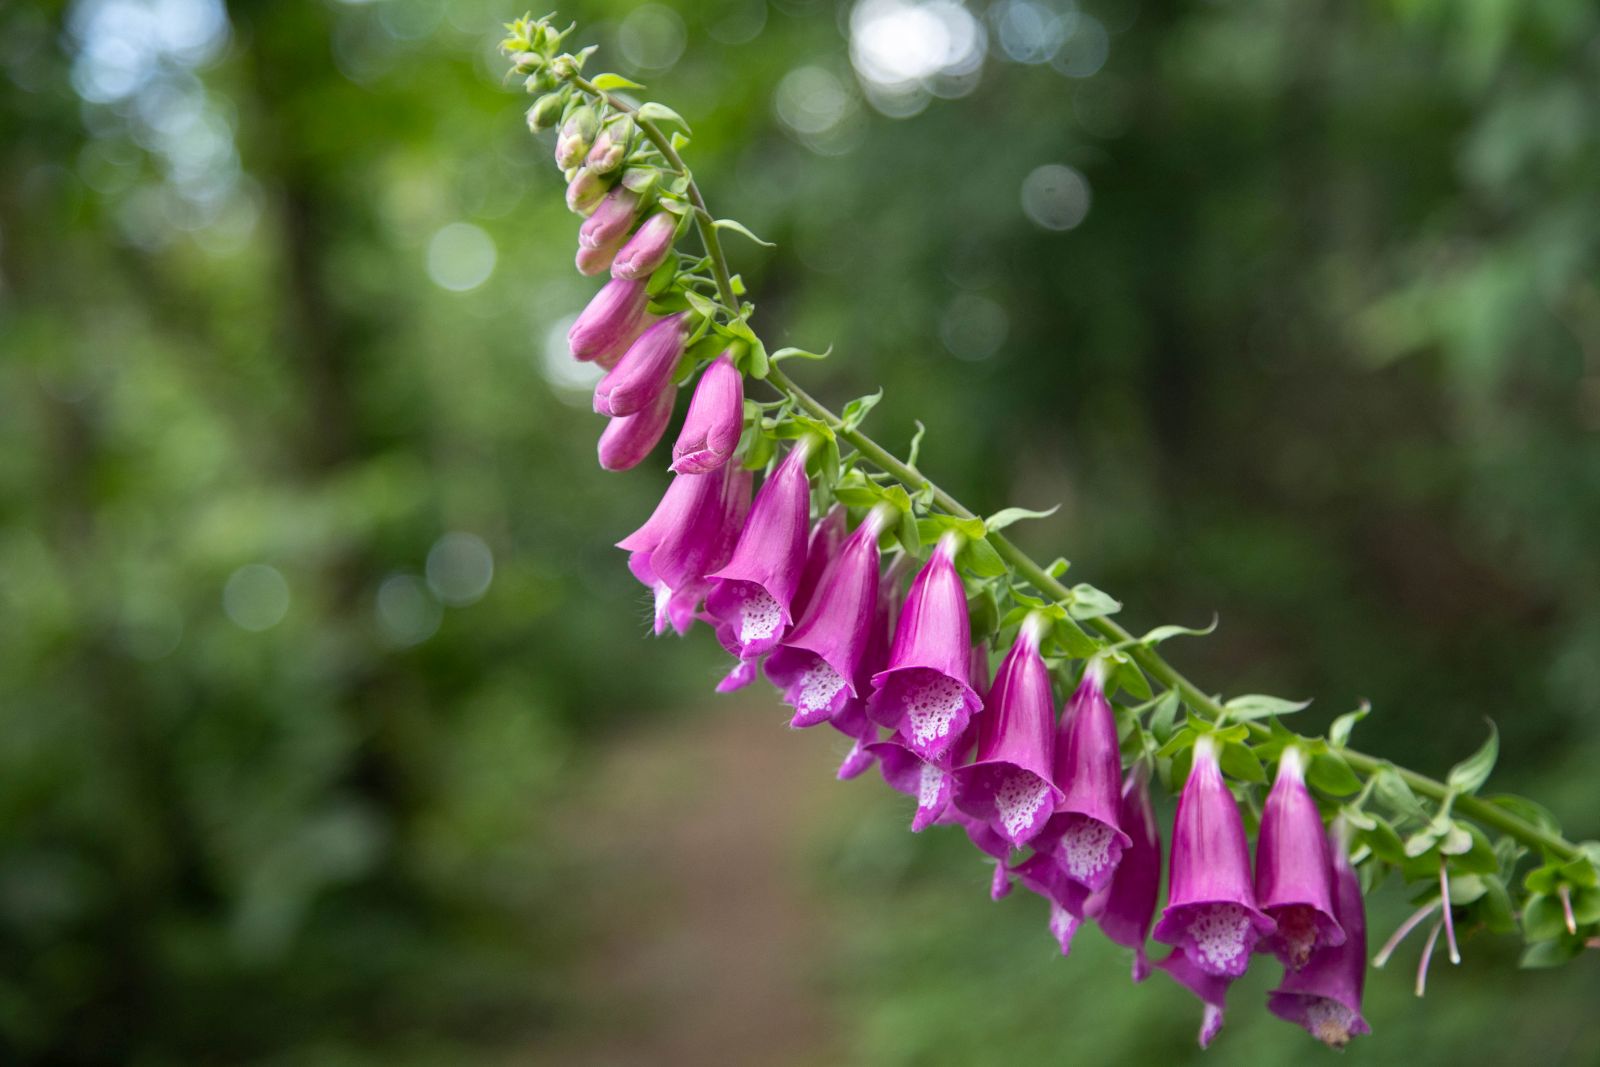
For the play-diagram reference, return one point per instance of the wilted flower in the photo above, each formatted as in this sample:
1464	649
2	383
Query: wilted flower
752	596
818	664
715	420
1211	908
689	534
628	439
645	369
608	319
1324	996
1009	785
611	221
648	247
1211	988
1293	875
923	692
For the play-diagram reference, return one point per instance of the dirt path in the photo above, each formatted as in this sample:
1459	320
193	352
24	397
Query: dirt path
706	940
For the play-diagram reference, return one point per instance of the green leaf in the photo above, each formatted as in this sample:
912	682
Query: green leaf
1239	762
1339	732
983	613
1383	840
1332	775
703	305
1161	633
1256	706
978	557
857	496
1496	909
658	113
916	446
857	410
1090	603
742	230
1468	775
1073	641
1526	810
1165	714
799	353
1393	791
1181	741
1551	953
1543	919
1006	516
608	82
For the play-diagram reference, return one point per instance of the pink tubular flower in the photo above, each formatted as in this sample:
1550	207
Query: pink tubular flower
584	192
610	317
1009	785
1083	836
827	537
751	598
929	781
688	535
1212	989
572	143
1126	907
817	665
1211	906
629	439
1293	872
1324	996
611	220
923	693
647	249
592	261
715	420
645	369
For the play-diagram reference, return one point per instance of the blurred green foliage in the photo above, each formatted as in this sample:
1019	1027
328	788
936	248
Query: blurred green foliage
283	781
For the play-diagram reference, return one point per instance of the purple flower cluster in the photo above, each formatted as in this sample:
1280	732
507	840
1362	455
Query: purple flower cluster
1037	787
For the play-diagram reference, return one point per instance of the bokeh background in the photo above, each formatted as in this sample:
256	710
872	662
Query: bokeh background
329	729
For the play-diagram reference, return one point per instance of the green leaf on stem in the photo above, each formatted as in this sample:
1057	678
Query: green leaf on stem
1090	603
1339	732
916	444
742	230
1332	775
607	82
1239	762
1006	516
1164	715
1073	641
658	113
1551	953
857	410
1258	706
1161	633
1393	791
1470	774
799	353
1129	677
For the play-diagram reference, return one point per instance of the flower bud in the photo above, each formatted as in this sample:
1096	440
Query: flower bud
609	318
648	248
592	261
611	221
715	421
576	133
528	62
645	369
611	146
545	112
628	440
585	191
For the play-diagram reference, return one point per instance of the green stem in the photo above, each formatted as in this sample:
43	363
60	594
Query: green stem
1151	661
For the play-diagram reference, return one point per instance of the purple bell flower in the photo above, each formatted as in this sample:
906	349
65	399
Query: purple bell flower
610	318
1126	908
629	439
690	534
923	693
1212	989
1009	785
1293	869
929	781
1211	907
752	596
647	249
611	221
715	420
1083	836
1324	996
819	663
645	370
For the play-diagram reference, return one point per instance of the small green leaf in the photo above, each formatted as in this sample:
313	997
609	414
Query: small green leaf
1161	633
983	613
608	82
1181	741
916	445
1394	792
1239	762
857	496
1129	677
799	353
978	558
1468	775
742	230
1165	714
1006	516
857	410
1496	909
1339	732
1526	810
1090	603
1331	774
1073	641
703	305
1543	919
1383	840
1551	953
658	113
1256	706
